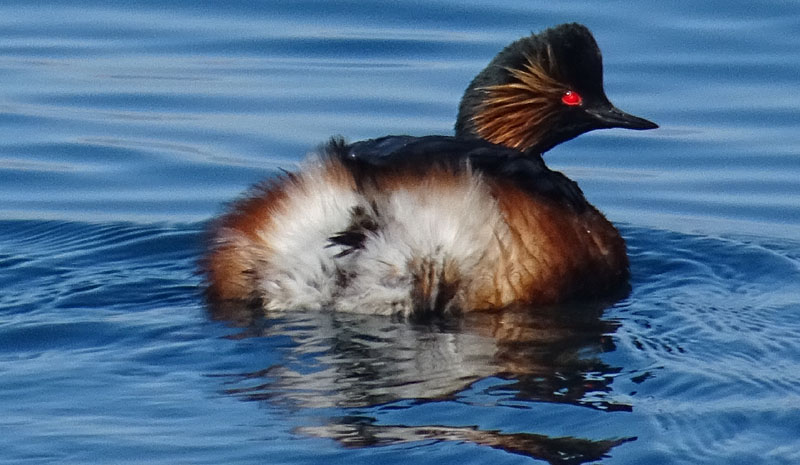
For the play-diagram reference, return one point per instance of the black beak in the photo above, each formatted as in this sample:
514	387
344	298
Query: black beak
612	117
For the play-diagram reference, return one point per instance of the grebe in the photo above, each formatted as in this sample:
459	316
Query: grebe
437	224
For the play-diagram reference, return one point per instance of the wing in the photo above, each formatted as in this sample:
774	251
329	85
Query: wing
418	155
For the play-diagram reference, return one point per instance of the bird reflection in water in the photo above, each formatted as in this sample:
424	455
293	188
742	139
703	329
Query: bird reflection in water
562	451
366	364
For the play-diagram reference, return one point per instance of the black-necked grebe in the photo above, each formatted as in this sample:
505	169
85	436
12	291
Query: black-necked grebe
438	224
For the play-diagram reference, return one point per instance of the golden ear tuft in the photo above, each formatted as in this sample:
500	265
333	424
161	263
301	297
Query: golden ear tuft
516	114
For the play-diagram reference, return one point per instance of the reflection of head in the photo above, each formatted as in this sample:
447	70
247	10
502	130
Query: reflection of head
355	432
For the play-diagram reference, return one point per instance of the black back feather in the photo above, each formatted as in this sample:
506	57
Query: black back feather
418	155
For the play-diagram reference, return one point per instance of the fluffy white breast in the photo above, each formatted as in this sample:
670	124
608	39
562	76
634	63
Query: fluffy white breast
433	237
299	271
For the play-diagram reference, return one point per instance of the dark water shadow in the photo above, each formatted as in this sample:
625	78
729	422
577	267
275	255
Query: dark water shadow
359	363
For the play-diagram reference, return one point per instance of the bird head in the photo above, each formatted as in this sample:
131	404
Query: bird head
542	90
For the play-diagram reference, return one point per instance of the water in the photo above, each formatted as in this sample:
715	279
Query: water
127	125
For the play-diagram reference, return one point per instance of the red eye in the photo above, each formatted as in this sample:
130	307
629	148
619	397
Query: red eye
571	98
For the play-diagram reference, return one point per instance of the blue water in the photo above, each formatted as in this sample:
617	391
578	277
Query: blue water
125	126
